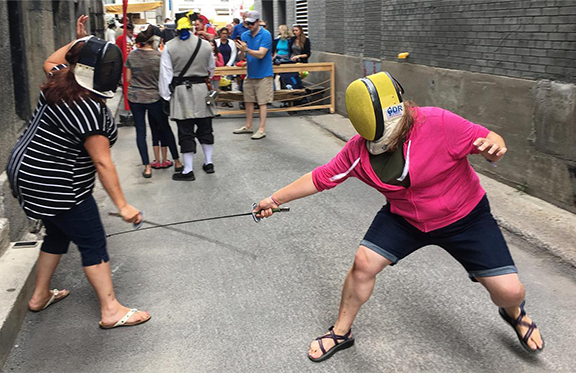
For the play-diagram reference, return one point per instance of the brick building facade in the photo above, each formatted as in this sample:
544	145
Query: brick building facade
531	39
507	64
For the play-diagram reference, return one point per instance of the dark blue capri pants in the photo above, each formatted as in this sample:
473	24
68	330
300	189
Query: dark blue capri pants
81	225
475	241
159	125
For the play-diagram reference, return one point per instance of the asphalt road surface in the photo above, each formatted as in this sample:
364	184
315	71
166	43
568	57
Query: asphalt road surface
235	296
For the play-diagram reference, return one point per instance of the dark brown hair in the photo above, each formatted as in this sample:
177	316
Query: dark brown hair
61	84
215	48
406	124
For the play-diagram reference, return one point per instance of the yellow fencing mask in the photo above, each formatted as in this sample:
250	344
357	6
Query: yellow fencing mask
375	108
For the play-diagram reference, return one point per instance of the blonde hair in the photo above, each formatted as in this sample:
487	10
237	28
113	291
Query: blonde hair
285	32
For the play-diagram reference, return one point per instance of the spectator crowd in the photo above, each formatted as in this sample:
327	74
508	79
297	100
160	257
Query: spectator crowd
244	43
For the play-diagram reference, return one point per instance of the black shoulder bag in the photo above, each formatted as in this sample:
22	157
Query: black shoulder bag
176	81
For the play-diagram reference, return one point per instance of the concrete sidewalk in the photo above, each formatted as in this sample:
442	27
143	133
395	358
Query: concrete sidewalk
540	223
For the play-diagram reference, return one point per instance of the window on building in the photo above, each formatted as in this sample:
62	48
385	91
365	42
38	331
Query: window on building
282	12
302	14
222	12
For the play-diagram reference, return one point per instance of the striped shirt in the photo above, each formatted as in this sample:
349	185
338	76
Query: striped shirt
49	169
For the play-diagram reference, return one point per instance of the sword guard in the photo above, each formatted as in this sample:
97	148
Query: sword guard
256	219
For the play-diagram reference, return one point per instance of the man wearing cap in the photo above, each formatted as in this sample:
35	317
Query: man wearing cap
126	43
187	93
256	45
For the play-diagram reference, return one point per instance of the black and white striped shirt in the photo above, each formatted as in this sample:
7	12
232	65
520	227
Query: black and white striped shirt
49	169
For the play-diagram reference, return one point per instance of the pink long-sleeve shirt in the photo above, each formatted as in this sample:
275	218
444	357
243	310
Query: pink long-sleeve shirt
443	186
219	61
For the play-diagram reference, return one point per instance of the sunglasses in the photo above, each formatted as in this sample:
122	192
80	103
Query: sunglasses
250	23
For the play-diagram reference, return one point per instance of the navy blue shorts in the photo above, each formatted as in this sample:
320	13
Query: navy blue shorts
81	225
475	240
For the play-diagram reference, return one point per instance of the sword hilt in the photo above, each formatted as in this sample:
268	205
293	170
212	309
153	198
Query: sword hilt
279	209
135	225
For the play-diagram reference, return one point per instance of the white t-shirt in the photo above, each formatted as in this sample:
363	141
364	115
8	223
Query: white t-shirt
110	35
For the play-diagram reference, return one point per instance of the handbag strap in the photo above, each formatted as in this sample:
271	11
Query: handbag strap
190	60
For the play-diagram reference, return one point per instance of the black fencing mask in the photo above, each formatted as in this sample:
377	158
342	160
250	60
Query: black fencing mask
100	66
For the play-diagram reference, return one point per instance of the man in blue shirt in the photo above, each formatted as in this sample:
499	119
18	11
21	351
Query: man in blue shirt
256	45
240	28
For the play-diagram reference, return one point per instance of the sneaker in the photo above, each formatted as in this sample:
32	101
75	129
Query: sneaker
208	168
243	129
155	164
166	164
258	135
181	176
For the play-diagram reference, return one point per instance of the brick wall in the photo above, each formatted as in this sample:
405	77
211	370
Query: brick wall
533	39
354	28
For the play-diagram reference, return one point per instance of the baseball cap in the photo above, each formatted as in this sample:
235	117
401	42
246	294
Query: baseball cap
252	16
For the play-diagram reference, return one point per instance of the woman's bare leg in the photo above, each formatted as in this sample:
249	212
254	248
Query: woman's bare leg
508	292
100	277
156	150
164	153
47	264
358	287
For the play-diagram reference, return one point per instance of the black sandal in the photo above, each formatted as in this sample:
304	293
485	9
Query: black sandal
346	343
514	323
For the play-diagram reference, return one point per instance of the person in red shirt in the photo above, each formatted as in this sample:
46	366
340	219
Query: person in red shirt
219	61
202	31
126	43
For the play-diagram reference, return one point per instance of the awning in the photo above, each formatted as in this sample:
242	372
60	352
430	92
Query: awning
134	7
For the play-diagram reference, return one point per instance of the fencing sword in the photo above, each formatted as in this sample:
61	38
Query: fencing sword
137	226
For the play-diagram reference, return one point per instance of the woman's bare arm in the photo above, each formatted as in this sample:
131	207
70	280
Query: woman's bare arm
59	57
98	147
303	187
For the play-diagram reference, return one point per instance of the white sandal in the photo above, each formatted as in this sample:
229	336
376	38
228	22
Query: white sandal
123	321
53	299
